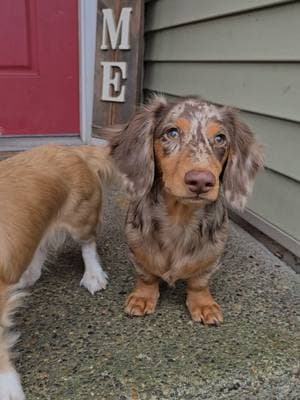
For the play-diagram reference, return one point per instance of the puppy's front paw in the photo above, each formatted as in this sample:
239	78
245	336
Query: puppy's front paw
94	281
10	386
143	299
138	305
209	314
202	305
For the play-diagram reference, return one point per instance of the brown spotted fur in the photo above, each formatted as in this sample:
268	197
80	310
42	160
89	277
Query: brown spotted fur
174	233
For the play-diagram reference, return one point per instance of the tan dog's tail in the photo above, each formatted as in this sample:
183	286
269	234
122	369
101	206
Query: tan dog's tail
98	159
10	299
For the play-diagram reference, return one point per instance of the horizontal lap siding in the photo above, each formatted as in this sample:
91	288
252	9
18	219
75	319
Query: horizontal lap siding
270	34
276	198
166	13
270	89
247	54
282	143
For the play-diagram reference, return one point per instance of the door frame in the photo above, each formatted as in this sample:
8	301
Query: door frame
87	16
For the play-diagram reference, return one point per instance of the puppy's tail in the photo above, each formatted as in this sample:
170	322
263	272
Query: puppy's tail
10	299
98	160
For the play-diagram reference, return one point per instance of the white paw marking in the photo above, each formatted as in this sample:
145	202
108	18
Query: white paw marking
94	280
10	386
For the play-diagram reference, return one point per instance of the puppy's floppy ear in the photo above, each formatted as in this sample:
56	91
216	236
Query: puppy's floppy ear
244	160
132	146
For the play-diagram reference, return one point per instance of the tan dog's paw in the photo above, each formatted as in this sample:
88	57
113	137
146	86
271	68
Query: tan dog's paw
203	307
209	314
138	305
143	299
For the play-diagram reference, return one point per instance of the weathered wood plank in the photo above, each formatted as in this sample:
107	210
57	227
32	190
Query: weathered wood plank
166	13
107	112
272	89
266	35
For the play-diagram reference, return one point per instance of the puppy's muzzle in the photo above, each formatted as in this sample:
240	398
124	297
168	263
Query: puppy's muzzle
199	182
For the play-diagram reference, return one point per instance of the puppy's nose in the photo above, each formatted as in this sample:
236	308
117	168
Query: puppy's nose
199	181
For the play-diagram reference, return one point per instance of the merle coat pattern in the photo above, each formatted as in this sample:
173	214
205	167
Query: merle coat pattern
183	164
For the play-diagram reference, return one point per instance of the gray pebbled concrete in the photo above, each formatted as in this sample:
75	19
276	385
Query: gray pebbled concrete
74	346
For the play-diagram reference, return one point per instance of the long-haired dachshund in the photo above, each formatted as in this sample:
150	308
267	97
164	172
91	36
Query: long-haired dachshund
45	191
183	163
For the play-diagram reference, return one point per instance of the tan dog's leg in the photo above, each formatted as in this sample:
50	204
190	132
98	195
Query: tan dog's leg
83	223
34	269
94	277
200	302
10	385
143	299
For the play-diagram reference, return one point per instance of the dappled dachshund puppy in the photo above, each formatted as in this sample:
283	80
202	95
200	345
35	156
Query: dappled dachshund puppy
45	193
183	163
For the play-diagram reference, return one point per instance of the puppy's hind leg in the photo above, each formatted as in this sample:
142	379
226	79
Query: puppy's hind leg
94	278
83	227
34	269
10	385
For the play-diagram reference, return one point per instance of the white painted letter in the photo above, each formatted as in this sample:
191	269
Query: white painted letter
113	78
110	29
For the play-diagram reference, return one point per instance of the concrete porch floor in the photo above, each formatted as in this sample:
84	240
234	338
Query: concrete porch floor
74	346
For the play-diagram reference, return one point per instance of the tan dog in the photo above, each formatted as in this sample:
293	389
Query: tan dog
183	163
45	191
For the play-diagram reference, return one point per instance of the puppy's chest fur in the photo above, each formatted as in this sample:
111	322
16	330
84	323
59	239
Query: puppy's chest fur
176	245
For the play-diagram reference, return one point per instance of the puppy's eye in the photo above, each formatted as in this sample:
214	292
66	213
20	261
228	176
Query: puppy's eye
220	139
172	133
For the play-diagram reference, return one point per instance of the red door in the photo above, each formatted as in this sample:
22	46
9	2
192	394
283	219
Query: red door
39	71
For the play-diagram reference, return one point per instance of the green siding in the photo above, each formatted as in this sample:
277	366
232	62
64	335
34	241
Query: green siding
247	54
277	199
252	36
251	86
166	13
282	143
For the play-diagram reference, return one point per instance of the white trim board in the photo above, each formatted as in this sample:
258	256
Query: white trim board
87	16
87	49
97	141
281	237
26	143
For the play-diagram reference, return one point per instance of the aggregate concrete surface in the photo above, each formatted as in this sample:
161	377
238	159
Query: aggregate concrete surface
75	346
